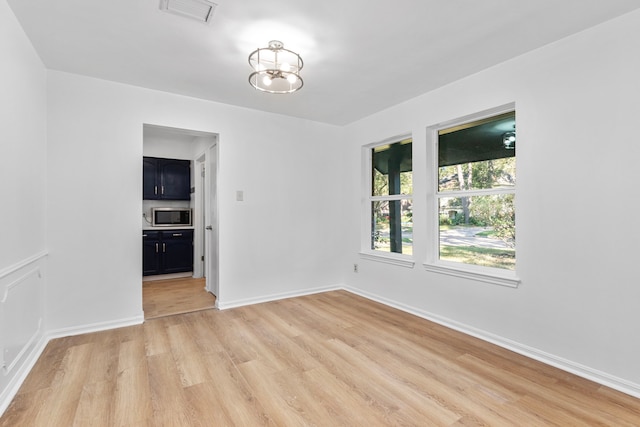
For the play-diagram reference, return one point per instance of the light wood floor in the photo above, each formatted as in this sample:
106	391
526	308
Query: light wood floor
331	359
175	296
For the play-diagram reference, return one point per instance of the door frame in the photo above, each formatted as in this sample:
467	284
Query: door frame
211	222
205	151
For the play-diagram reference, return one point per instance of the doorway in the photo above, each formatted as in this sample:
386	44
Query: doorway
207	216
161	298
197	289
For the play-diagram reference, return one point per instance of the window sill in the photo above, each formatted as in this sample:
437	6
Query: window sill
387	258
508	279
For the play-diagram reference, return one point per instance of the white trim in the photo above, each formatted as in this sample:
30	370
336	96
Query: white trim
391	198
388	258
276	297
7	368
10	391
603	378
456	194
95	327
365	190
583	371
15	267
32	357
433	263
18	369
212	208
484	114
34	271
510	280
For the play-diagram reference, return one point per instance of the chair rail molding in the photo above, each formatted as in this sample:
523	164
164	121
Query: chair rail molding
22	335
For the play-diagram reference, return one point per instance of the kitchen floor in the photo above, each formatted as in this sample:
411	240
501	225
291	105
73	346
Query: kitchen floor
175	296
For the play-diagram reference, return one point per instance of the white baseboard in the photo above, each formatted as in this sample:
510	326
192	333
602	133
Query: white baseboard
22	371
30	359
575	368
274	297
22	338
594	375
95	327
597	376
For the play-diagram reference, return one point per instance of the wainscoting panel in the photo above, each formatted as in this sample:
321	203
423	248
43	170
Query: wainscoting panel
21	322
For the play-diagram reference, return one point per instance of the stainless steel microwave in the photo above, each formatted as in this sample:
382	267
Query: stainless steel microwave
171	217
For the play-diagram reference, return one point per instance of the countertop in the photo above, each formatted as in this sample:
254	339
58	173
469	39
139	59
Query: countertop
190	227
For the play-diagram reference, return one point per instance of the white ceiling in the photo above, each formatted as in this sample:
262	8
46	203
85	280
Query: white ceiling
360	56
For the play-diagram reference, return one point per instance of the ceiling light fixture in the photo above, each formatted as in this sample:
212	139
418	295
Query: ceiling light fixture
276	69
509	140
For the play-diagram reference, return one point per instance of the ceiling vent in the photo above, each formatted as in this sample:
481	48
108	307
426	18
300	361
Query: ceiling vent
200	10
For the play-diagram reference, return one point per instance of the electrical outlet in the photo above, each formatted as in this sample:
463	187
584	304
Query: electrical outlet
355	268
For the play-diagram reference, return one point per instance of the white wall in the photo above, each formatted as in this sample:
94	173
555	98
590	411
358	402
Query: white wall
170	144
22	141
281	240
22	201
71	155
577	105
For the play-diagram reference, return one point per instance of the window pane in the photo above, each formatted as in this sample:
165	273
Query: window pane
478	230
478	155
392	226
497	173
391	169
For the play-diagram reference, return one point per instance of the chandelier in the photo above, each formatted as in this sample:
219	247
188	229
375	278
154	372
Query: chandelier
276	69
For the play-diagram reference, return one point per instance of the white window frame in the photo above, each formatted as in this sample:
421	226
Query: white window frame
366	231
433	263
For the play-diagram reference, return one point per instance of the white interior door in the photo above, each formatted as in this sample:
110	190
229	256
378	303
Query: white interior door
199	217
211	221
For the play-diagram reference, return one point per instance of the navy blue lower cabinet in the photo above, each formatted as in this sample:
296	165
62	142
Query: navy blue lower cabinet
150	253
165	252
177	251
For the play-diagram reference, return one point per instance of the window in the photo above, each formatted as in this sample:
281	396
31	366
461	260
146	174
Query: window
390	198
475	194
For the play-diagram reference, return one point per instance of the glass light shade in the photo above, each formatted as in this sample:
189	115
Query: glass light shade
276	70
509	140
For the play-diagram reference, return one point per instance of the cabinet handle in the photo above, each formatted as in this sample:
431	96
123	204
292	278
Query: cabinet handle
144	235
177	234
156	248
162	190
155	190
164	247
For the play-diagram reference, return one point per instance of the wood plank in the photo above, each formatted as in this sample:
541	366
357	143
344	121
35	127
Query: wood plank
96	405
175	296
326	359
132	395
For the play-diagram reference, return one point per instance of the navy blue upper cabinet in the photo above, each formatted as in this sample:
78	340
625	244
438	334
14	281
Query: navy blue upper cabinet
149	178
166	179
